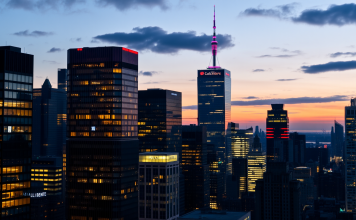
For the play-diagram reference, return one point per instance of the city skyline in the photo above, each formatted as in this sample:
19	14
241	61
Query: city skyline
274	67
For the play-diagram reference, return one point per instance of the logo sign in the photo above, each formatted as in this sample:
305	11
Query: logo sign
175	94
202	73
210	73
228	74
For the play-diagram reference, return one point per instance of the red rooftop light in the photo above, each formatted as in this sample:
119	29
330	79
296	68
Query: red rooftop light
128	50
80	49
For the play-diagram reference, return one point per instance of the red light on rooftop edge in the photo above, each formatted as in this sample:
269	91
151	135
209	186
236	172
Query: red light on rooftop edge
79	49
128	50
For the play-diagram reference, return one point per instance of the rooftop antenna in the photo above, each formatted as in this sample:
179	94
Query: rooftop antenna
214	46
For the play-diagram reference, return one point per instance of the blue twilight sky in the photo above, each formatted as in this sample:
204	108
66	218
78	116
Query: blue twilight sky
300	53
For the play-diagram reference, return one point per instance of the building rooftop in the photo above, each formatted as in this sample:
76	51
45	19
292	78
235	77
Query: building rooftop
212	215
158	157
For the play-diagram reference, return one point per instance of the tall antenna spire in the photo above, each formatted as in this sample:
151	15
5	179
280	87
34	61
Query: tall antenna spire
214	46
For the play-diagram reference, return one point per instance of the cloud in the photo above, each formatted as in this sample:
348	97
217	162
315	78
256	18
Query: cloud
157	40
39	77
338	54
335	15
126	4
155	82
293	53
41	4
277	56
79	39
27	33
279	12
251	97
148	73
299	100
290	101
258	70
331	66
284	80
54	50
50	61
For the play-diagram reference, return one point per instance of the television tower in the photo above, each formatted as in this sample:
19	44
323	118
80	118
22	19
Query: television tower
214	46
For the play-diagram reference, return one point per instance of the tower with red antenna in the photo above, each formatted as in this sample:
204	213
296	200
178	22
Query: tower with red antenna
214	112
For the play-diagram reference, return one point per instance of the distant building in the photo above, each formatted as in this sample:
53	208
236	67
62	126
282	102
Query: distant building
241	141
277	195
47	193
236	183
320	155
16	74
297	147
158	185
350	156
195	168
214	215
62	79
277	124
331	185
337	138
256	164
50	115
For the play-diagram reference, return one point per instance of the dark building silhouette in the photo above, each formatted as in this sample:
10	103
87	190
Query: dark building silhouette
195	168
16	76
62	79
337	141
297	145
277	195
331	185
308	190
236	183
320	155
214	112
49	113
277	124
160	125
102	145
47	188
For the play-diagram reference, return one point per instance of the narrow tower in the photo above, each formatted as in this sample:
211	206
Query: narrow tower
214	46
214	112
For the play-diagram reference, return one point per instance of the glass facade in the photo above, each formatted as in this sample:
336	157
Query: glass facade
241	141
16	76
195	167
62	79
102	145
256	164
350	153
277	124
159	186
214	112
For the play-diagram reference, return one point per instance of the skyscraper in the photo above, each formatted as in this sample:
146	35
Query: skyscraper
62	79
241	141
338	141
159	185
277	195
214	109
256	164
160	125
102	144
195	167
49	113
350	160
16	75
297	145
277	124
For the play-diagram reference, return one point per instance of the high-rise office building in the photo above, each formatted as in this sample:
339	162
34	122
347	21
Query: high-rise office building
195	168
308	190
47	188
236	183
256	164
49	113
350	154
62	79
241	141
337	138
158	185
160	120
102	145
277	124
16	77
277	195
160	125
214	110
